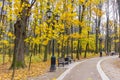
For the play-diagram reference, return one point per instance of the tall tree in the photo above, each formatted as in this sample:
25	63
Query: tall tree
115	25
118	1
81	18
107	27
20	34
98	23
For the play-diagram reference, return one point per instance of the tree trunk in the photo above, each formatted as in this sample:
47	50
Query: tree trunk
19	48
58	49
78	50
81	17
119	28
45	53
85	55
97	33
72	43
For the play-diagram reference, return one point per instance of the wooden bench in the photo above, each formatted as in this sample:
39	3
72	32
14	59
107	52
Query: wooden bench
69	59
62	61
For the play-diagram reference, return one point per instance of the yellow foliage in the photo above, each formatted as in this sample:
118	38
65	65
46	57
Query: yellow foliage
4	42
98	12
1	4
66	37
116	40
45	42
75	35
76	22
54	79
10	34
36	40
88	3
82	1
75	43
37	30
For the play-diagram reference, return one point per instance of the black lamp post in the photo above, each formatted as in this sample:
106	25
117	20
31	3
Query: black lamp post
53	58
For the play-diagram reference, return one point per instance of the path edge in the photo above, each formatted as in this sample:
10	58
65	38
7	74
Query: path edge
101	72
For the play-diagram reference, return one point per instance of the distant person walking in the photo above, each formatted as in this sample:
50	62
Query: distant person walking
100	53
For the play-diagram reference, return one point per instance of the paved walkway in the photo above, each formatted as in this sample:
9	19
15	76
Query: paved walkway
111	67
84	70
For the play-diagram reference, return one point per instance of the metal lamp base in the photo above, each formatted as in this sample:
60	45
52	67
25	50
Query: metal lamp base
53	64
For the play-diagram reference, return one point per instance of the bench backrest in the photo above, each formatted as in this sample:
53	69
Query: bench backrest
61	59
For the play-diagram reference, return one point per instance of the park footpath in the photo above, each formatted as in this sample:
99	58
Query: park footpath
111	68
86	69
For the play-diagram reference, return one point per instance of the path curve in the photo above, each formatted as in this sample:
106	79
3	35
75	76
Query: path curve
89	69
101	72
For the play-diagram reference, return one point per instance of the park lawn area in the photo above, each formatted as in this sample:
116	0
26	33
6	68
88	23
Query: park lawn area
23	74
38	67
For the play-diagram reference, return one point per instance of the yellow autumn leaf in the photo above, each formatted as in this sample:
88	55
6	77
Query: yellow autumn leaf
82	1
1	4
10	34
54	79
45	42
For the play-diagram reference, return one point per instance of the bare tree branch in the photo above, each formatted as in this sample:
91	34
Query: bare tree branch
32	3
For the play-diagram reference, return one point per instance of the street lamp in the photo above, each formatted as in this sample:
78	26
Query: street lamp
57	17
49	13
53	58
